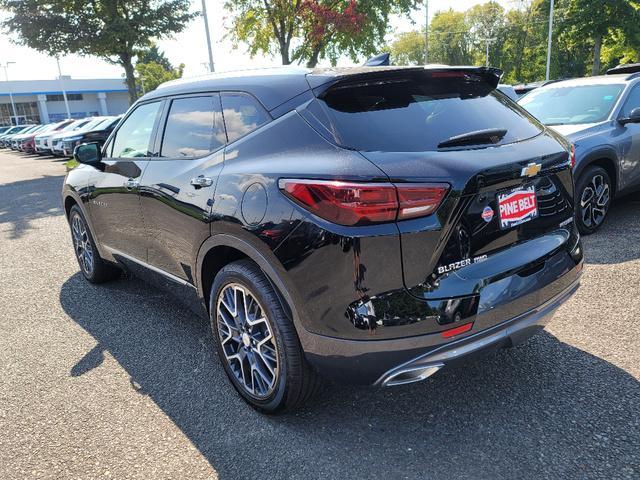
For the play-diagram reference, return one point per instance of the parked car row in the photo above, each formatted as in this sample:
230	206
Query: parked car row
58	138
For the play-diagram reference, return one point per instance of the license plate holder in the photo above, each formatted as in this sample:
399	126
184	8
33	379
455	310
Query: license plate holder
517	206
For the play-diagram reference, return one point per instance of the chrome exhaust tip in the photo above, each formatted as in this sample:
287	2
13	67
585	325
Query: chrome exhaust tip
410	375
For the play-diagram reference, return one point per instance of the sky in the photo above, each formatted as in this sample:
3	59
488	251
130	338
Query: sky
189	47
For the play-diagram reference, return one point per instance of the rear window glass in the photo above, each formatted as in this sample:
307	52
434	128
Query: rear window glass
242	115
194	128
417	114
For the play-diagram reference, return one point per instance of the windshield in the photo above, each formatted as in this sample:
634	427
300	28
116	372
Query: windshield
91	125
75	125
422	114
572	105
103	123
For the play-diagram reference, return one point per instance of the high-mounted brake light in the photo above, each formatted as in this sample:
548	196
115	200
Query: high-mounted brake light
352	203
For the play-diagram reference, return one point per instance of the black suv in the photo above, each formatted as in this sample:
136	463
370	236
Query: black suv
370	225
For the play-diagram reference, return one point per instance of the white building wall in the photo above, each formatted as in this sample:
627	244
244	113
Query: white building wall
99	97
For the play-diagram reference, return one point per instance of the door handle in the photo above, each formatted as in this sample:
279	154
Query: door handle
201	181
130	184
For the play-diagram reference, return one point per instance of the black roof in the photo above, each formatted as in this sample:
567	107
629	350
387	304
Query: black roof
275	86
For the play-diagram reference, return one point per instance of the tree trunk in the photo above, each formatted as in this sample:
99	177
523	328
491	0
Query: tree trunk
126	62
596	55
284	52
315	56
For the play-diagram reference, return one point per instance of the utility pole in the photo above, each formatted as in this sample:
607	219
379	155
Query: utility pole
426	32
6	77
550	36
488	40
64	92
206	29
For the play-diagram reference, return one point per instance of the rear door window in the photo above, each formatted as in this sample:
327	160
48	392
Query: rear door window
417	113
242	115
194	127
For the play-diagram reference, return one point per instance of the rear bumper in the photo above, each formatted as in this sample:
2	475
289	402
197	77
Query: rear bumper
389	362
509	333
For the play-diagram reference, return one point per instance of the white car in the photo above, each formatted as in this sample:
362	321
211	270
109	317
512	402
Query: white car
42	140
55	141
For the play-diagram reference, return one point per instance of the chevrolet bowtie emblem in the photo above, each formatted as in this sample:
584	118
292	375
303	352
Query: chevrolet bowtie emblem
531	170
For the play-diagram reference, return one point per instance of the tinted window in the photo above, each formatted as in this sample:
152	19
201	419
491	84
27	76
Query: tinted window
416	113
632	101
134	135
572	105
242	115
193	128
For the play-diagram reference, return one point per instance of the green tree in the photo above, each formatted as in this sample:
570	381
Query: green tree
449	39
408	48
486	26
152	74
306	31
594	21
115	30
154	55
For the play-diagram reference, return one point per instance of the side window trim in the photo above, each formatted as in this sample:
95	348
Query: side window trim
162	125
235	93
109	145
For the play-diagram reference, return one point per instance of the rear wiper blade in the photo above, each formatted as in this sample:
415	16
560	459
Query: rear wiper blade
490	135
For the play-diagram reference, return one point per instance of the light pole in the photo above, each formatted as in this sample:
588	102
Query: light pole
206	29
426	32
6	77
64	93
549	44
488	40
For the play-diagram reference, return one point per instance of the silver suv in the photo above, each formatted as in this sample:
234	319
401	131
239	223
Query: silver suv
600	116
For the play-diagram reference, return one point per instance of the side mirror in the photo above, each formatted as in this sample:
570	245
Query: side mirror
88	153
634	117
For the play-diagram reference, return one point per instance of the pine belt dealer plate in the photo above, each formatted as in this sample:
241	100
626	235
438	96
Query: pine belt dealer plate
517	207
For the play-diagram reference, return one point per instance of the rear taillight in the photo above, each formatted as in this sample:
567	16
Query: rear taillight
572	158
416	200
352	203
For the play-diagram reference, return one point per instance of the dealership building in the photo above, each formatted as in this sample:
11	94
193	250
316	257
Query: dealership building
42	101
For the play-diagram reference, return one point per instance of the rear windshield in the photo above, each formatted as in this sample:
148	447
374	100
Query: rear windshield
418	114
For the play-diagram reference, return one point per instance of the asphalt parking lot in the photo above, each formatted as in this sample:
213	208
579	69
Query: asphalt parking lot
117	381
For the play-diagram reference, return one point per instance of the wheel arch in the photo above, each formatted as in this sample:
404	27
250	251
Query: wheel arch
604	158
222	248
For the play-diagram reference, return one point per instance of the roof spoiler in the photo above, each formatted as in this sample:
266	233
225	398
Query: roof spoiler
490	75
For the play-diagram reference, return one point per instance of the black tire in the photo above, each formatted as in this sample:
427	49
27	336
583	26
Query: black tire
93	267
593	199
294	381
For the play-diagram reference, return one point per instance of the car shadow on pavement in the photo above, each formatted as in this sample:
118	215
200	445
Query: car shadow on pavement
617	239
541	410
24	201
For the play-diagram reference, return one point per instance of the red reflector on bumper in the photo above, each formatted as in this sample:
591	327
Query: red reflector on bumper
452	332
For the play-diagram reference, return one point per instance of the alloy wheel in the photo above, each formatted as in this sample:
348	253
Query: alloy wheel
247	340
82	244
594	201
